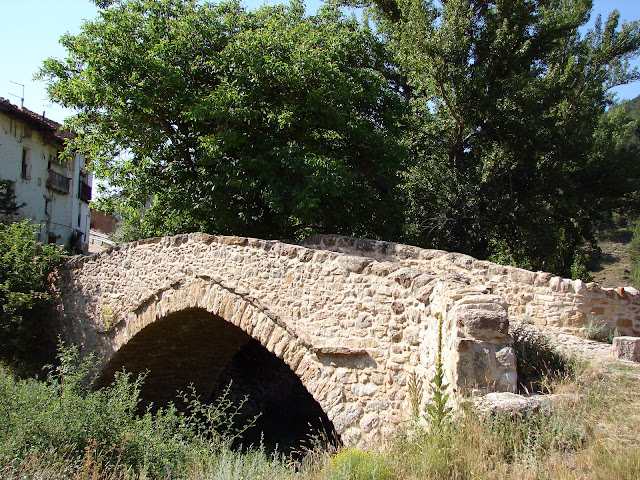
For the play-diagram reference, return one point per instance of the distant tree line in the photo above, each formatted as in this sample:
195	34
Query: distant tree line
477	126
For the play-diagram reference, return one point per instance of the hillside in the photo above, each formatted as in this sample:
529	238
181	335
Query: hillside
612	267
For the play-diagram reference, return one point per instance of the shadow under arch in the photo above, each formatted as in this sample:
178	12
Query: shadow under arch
195	347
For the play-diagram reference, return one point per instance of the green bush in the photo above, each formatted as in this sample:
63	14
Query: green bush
355	464
129	230
579	267
634	255
600	333
24	266
62	420
527	437
537	361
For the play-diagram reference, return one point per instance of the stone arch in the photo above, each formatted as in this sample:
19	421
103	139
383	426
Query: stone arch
229	316
353	325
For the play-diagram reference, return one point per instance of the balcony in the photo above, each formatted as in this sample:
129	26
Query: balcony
58	182
84	192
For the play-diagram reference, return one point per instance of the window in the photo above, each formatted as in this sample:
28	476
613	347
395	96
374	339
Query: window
47	207
26	167
84	190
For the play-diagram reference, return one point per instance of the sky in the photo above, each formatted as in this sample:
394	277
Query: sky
31	29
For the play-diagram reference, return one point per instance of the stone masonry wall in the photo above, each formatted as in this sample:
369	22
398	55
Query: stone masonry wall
353	327
540	297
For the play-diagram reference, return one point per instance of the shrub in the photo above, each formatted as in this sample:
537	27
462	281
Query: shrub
599	333
524	437
24	267
129	230
8	205
355	464
62	420
634	255
537	361
579	267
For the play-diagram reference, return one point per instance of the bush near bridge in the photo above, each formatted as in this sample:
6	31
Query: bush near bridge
60	429
25	264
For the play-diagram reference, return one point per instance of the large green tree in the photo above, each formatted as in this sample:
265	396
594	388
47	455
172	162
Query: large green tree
513	157
630	108
204	116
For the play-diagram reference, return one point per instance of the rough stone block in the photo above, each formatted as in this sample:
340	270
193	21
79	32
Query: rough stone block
627	348
483	323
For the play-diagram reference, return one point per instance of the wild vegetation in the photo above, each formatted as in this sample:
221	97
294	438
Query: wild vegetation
24	266
634	254
60	429
466	125
474	126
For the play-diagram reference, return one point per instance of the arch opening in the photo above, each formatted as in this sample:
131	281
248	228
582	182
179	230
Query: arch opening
290	418
195	347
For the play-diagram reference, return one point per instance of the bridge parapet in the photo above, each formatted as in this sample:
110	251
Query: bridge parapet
540	297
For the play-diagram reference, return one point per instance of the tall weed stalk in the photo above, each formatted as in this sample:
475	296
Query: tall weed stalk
437	410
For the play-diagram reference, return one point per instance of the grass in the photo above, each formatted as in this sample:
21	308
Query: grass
56	429
593	437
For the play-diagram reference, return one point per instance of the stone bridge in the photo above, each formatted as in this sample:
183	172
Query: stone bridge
357	321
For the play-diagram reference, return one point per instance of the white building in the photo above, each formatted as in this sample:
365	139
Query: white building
54	194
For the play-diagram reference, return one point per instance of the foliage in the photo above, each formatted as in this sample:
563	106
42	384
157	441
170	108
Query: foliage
8	205
599	332
634	255
129	230
24	267
207	117
414	386
437	410
504	444
579	269
631	108
63	419
525	437
512	155
356	464
590	432
538	363
218	418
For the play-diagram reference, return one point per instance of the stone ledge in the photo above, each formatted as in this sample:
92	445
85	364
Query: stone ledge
627	348
513	404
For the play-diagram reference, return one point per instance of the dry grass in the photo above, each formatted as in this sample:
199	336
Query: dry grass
592	434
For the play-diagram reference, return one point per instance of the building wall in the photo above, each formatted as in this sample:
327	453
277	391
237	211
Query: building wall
30	158
102	222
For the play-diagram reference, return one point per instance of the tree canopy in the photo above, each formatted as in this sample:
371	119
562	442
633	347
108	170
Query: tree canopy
513	157
207	117
470	125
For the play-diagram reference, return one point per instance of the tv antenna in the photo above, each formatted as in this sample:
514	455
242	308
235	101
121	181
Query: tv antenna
21	98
